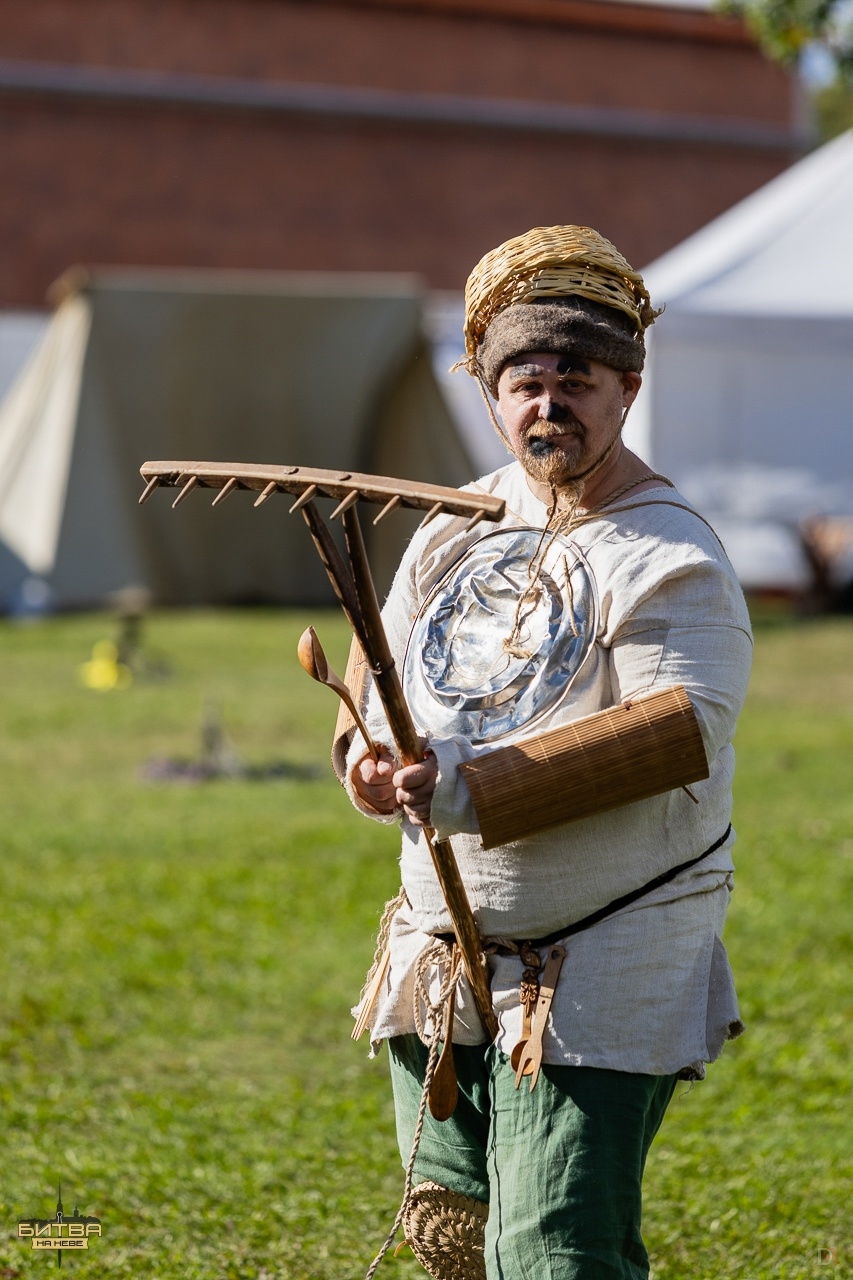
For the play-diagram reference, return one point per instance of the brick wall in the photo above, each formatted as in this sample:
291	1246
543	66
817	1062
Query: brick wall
107	179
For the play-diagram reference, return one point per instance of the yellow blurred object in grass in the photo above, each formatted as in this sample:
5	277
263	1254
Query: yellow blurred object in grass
104	671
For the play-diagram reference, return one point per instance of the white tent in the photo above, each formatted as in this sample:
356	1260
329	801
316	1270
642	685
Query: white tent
748	395
318	370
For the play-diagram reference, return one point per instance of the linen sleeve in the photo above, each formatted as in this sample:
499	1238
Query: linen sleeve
692	630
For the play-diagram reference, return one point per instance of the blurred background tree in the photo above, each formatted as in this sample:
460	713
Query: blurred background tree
833	104
818	36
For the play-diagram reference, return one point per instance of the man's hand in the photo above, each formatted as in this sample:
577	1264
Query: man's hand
373	782
415	785
386	791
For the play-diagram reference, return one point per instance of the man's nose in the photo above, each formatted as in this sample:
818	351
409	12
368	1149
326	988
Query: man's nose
555	412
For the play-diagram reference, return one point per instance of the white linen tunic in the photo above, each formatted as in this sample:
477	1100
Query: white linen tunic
649	989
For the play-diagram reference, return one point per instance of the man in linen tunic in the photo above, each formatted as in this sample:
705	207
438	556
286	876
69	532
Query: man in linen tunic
648	990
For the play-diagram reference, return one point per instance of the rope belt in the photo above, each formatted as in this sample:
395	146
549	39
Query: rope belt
508	947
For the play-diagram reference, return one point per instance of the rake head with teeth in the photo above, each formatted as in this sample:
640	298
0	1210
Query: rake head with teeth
351	579
308	483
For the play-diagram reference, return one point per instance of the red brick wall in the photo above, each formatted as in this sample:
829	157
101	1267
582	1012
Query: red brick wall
161	185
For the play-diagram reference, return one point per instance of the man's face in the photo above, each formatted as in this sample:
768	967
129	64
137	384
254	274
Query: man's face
561	412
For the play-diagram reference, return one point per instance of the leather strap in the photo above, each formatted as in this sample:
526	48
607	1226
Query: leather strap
567	931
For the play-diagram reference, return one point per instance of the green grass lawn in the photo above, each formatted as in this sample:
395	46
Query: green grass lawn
180	962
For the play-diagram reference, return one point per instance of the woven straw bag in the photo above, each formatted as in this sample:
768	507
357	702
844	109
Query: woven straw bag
446	1232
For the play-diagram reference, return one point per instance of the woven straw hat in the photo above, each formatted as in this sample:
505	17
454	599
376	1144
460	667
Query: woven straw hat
553	262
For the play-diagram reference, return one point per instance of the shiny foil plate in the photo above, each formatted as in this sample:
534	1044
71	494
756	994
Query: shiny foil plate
479	666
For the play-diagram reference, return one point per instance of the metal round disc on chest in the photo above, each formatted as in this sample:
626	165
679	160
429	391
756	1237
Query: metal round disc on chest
501	637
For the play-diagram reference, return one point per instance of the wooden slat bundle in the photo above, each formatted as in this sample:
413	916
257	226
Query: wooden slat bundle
615	757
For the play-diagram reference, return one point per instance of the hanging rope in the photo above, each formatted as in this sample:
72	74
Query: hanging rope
562	513
438	955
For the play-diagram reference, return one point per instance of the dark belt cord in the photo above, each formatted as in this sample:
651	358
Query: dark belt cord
566	931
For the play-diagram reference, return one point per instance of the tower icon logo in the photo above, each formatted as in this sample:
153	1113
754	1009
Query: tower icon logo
60	1233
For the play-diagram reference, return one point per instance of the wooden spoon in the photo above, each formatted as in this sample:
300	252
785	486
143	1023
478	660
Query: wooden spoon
313	660
444	1087
515	1056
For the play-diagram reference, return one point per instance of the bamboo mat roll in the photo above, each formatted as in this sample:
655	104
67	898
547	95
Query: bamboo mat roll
627	753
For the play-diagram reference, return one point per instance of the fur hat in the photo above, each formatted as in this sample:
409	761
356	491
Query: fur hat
573	325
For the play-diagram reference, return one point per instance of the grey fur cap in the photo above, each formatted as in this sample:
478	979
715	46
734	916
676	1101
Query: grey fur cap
572	325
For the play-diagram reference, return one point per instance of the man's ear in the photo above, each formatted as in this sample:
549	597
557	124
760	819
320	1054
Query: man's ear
631	383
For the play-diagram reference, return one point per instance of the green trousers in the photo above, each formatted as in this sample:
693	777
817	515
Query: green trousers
560	1168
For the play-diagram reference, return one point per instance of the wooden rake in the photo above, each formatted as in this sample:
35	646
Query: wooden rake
353	585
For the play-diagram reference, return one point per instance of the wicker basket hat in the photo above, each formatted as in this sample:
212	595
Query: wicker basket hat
595	304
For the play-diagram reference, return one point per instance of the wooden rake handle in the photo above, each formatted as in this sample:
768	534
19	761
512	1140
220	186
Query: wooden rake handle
357	594
411	752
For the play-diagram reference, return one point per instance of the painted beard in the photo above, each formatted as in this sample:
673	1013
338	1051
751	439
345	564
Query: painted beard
547	462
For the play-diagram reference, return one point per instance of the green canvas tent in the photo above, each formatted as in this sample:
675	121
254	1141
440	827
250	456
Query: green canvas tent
315	370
